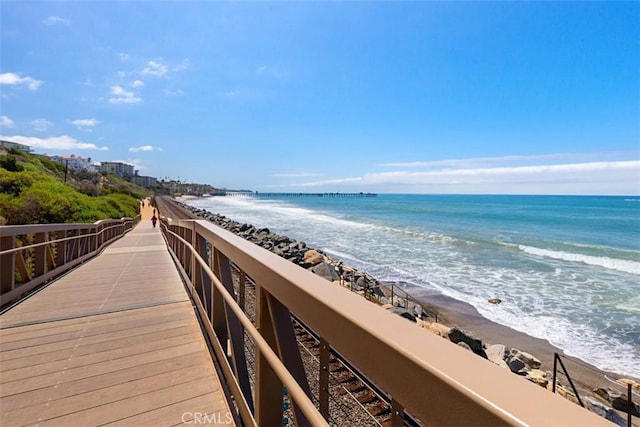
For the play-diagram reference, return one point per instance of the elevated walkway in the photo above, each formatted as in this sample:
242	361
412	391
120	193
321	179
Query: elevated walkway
114	341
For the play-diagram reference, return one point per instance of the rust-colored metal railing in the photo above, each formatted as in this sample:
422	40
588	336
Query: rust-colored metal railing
436	381
31	255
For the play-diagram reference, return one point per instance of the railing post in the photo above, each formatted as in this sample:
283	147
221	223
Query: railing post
82	242
40	258
323	388
555	371
629	405
193	239
392	294
202	282
288	351
241	290
573	387
267	385
7	264
235	332
218	319
396	413
94	239
61	248
75	249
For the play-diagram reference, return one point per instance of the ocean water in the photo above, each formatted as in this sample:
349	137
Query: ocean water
567	269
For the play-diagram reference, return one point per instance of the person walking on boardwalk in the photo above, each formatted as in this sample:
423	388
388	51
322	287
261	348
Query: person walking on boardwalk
154	220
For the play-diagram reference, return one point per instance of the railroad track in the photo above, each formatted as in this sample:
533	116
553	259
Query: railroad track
169	209
351	393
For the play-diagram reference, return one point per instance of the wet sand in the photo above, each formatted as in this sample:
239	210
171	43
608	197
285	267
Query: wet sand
452	312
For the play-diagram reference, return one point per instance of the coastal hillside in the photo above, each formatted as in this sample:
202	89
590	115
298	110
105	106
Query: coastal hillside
37	190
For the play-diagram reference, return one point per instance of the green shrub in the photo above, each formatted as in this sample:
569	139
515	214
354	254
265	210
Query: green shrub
10	163
32	191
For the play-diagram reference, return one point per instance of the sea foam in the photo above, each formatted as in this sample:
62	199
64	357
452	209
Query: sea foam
627	266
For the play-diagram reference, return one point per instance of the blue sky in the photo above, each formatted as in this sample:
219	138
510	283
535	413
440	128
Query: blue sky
407	97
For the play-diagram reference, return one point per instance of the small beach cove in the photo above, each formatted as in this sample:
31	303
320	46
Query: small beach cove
452	312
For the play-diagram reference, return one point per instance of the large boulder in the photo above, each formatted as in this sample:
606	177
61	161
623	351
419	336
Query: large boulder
312	257
496	353
517	366
540	377
621	403
403	313
326	271
604	411
625	381
457	335
436	328
529	361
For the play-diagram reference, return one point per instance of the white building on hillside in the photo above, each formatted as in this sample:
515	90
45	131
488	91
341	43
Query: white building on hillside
121	169
9	144
144	181
75	162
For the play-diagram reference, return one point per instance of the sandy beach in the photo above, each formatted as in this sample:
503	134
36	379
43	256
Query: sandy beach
585	377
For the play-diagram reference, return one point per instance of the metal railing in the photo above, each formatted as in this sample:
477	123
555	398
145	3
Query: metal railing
438	382
31	255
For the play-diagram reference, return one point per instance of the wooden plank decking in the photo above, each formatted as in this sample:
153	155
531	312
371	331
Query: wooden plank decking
115	341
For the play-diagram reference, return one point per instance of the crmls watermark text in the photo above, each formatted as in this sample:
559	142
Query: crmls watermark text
216	418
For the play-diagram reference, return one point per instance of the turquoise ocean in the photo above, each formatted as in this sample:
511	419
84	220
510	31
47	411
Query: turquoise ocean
566	268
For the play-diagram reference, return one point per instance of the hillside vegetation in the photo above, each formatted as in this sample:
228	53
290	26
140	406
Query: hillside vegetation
33	191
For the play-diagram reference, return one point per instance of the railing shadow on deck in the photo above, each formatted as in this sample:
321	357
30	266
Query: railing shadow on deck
435	381
32	255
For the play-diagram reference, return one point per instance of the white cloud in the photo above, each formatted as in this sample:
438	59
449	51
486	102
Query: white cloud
137	83
123	56
6	122
173	92
123	96
182	66
53	20
144	148
83	123
154	68
41	125
63	142
511	160
15	79
604	177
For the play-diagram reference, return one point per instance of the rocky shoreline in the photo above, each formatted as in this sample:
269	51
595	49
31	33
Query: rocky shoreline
599	398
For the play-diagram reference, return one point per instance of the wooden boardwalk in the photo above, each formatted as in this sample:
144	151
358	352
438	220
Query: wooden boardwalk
115	341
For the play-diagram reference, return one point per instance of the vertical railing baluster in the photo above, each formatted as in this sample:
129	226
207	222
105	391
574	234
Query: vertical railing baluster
235	332
268	387
39	258
323	388
7	264
397	419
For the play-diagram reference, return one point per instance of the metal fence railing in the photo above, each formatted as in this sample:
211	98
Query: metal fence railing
31	255
434	380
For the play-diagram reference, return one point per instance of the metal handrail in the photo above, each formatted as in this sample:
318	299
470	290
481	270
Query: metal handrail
435	380
49	242
295	391
44	265
556	359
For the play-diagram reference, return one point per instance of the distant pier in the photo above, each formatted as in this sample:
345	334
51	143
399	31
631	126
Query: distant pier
283	195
